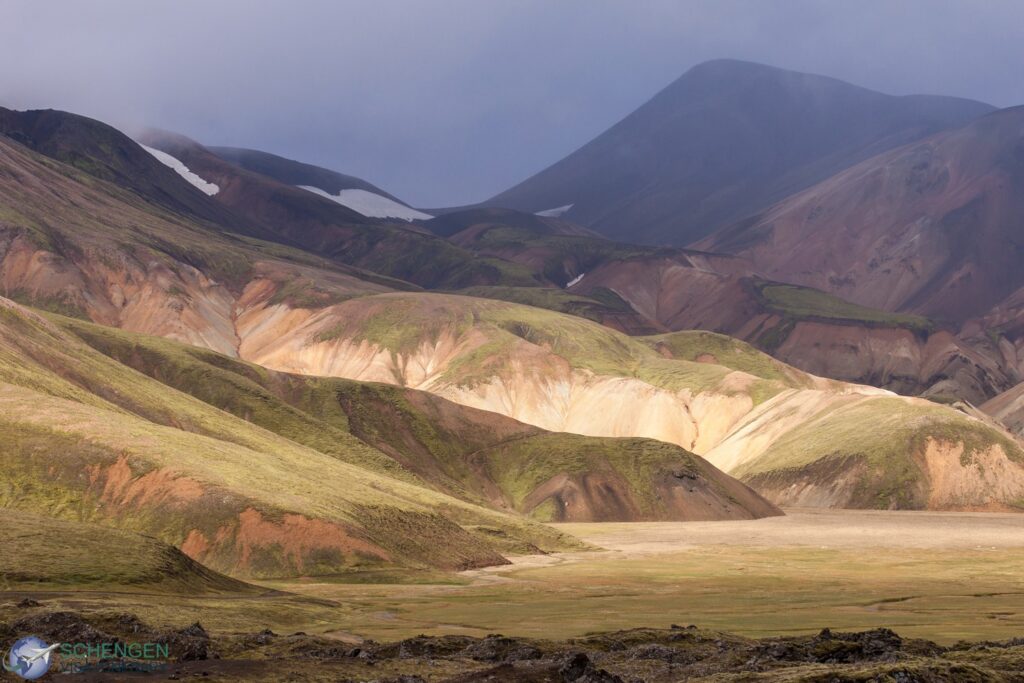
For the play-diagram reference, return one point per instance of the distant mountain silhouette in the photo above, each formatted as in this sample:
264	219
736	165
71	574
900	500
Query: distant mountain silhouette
722	142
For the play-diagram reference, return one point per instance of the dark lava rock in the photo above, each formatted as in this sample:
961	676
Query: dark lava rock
26	603
196	630
191	643
127	623
501	649
835	648
61	627
264	637
579	669
424	647
654	651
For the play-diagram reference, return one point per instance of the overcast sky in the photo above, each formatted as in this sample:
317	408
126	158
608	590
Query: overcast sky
444	102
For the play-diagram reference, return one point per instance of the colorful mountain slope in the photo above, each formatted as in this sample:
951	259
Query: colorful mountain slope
459	451
930	228
567	374
87	438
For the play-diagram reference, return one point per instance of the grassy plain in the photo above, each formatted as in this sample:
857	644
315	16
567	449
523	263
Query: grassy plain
941	576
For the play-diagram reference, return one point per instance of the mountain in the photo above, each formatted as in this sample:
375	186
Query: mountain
76	244
931	228
796	438
106	153
293	172
645	290
319	224
255	473
1008	409
722	142
816	331
355	193
90	248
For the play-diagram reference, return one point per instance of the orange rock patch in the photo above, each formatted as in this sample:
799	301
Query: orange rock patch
159	487
296	537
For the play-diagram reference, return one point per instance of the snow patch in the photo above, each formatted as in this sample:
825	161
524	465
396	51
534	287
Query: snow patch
574	281
554	213
182	170
370	204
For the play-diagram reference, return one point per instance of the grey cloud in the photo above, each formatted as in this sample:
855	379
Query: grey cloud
450	101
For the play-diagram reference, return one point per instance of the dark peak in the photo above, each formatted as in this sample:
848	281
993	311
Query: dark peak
292	172
38	128
726	66
160	138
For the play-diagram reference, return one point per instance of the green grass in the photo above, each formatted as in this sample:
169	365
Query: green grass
71	414
42	553
883	430
732	584
520	466
555	299
887	436
304	410
804	303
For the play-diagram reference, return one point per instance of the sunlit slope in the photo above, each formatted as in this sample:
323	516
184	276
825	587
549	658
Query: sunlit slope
86	438
721	399
475	455
41	552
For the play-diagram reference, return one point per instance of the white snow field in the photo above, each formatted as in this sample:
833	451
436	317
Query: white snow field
370	204
182	170
574	281
554	213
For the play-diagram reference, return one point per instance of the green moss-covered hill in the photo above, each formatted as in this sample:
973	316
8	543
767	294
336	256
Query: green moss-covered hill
796	438
259	473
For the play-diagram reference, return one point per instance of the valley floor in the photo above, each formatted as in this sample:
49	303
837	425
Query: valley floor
944	577
941	576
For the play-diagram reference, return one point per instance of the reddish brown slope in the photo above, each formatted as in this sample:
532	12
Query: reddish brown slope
933	227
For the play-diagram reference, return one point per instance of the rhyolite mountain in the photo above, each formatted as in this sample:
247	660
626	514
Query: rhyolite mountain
81	245
252	473
933	228
724	141
314	222
104	152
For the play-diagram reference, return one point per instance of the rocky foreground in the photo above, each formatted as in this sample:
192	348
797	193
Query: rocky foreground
679	653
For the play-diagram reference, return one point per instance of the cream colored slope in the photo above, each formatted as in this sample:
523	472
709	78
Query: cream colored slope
703	407
761	428
795	438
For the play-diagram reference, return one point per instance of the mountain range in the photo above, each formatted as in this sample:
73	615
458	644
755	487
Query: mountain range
760	289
